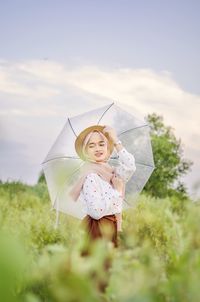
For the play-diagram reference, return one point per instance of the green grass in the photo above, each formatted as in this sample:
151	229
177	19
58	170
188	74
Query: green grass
158	258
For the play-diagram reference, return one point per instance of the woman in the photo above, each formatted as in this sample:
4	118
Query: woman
101	187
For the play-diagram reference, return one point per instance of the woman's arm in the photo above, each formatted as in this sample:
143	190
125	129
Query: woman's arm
127	165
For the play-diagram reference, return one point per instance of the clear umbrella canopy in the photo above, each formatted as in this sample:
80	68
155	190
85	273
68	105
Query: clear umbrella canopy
62	165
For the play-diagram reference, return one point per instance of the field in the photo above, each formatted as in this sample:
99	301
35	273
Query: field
158	258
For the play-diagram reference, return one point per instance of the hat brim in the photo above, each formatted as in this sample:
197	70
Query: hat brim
80	139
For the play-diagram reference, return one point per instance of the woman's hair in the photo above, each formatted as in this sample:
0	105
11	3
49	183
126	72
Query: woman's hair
87	138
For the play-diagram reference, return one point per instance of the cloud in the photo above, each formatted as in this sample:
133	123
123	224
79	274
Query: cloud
14	81
50	90
146	89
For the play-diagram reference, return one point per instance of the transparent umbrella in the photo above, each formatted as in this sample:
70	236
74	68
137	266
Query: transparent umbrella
62	165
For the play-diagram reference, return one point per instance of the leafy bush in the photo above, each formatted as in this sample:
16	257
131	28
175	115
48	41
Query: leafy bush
157	260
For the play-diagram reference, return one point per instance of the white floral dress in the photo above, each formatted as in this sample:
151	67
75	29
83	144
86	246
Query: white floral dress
98	196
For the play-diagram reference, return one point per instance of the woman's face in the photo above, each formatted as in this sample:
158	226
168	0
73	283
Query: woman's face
97	148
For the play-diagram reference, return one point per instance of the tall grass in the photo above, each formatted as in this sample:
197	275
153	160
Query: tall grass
158	258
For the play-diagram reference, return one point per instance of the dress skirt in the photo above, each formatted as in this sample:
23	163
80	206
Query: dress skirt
105	227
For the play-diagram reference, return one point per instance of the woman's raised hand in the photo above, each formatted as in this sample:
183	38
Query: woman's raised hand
113	136
111	132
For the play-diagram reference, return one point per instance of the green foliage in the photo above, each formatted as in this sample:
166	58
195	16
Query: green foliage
158	258
41	178
13	262
169	162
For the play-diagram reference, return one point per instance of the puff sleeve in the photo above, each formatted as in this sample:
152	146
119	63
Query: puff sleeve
126	166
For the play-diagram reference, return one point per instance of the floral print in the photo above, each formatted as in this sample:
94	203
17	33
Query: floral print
98	196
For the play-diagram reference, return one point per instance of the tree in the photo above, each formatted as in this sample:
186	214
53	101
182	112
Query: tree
41	178
169	162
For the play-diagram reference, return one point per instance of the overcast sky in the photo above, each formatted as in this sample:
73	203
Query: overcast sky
60	58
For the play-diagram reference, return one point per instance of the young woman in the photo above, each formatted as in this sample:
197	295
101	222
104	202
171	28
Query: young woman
101	186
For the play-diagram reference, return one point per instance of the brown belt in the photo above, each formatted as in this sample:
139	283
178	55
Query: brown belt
111	217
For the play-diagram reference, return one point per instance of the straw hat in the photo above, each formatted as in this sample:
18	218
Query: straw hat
80	139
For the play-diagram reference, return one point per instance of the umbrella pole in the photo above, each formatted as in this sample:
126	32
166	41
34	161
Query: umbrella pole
57	214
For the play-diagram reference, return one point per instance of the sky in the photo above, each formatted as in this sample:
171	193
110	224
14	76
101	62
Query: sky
61	58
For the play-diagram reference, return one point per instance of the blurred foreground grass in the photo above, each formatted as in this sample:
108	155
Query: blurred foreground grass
158	258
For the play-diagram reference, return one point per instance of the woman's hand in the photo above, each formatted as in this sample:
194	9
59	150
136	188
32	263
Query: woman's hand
117	183
119	222
111	132
113	136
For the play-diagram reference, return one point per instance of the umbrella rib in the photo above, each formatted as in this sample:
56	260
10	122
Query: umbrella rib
105	113
71	127
144	164
146	125
127	202
71	157
115	158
